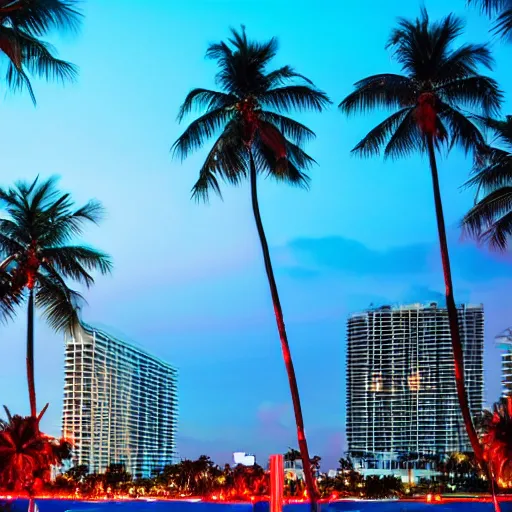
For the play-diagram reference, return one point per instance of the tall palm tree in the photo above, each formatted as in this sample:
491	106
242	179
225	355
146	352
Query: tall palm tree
23	24
490	219
37	234
437	83
501	10
256	138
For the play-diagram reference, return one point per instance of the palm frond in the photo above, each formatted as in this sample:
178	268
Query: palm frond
501	10
421	46
384	90
479	93
490	7
9	299
298	157
295	97
227	159
205	99
493	170
75	262
289	171
502	129
39	59
406	138
38	17
503	25
60	304
8	246
463	132
242	67
200	130
377	138
490	220
65	224
35	58
464	62
283	75
290	128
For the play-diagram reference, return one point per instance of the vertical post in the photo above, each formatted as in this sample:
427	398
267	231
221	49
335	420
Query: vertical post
276	483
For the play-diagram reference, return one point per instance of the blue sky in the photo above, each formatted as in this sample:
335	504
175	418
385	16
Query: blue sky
188	283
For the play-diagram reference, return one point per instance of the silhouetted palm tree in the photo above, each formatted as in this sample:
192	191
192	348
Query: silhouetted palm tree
255	139
22	25
438	82
490	220
497	440
26	454
501	10
37	234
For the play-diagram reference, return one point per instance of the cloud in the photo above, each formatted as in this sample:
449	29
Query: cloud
353	257
304	258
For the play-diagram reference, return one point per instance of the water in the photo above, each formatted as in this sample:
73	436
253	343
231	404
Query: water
183	506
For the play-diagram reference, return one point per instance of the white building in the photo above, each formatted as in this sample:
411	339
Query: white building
402	406
504	342
120	404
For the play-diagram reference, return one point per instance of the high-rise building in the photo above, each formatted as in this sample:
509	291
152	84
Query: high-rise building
120	404
504	341
401	395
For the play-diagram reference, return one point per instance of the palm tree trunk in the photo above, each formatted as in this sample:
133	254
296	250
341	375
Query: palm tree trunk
458	356
303	446
30	355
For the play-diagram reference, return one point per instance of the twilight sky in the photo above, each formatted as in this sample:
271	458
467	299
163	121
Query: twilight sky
189	284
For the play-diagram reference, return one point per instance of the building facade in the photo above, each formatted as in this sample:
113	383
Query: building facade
120	404
401	398
504	342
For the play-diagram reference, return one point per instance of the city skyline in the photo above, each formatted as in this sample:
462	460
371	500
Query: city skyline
197	295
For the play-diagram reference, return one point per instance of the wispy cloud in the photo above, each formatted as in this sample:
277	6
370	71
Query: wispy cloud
304	258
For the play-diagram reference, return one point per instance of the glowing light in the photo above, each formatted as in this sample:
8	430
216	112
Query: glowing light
376	382
414	381
276	483
428	498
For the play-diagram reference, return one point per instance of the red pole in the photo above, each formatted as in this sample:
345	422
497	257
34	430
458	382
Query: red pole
276	483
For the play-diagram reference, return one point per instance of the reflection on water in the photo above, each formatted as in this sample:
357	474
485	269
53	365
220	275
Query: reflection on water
181	506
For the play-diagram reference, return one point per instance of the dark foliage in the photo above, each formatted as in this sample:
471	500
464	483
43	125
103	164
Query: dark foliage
500	11
249	109
23	23
436	75
490	219
37	236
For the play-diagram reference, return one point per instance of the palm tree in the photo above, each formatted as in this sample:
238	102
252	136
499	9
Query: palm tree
438	81
490	219
22	25
255	139
496	439
37	233
501	10
26	454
